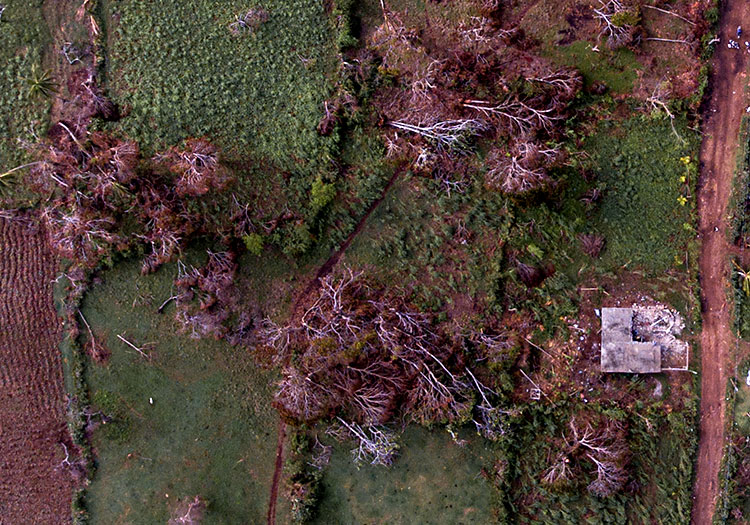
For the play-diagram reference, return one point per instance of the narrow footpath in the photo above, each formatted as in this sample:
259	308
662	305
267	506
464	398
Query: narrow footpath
721	135
299	302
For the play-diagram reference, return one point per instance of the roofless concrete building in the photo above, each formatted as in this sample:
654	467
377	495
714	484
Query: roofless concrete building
619	352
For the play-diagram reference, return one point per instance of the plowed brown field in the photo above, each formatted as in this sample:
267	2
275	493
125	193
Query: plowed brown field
34	488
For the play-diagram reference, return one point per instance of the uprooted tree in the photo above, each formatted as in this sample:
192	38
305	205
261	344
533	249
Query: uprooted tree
90	181
189	512
365	355
206	296
602	444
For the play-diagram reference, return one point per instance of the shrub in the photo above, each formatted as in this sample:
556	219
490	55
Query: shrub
321	195
253	243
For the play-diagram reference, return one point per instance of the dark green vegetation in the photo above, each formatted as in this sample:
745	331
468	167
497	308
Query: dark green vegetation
297	132
24	38
663	447
740	224
647	175
735	472
210	430
736	468
463	243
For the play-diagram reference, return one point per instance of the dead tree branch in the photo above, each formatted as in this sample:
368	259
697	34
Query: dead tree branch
131	345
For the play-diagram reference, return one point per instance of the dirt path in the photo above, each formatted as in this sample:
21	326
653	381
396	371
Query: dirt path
311	288
718	157
34	488
271	516
333	260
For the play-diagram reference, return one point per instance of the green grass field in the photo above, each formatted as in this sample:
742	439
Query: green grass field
433	481
210	430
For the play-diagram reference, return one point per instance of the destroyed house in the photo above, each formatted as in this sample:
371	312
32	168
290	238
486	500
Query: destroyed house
619	352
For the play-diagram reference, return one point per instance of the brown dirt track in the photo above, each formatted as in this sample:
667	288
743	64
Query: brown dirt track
33	488
312	288
718	157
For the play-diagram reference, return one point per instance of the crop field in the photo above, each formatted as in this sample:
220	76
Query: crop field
34	485
210	430
23	113
260	94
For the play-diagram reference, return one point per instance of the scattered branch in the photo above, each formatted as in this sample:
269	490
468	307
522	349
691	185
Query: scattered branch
375	445
131	345
670	13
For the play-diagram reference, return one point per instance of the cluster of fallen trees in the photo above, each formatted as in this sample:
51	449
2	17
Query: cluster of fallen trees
364	356
437	119
206	296
94	184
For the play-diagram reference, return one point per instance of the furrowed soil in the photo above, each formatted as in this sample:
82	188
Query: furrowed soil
34	487
718	158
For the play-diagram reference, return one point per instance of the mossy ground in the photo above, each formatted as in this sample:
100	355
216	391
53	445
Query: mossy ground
210	430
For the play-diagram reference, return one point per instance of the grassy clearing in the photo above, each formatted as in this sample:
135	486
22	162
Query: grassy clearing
617	69
23	38
646	214
210	431
433	481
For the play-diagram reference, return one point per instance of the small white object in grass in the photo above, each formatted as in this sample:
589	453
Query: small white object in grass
747	379
151	400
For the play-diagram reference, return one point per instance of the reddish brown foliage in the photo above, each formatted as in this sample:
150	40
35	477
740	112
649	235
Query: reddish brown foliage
591	244
365	353
197	167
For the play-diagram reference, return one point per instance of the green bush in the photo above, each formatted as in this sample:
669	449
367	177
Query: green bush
321	195
253	243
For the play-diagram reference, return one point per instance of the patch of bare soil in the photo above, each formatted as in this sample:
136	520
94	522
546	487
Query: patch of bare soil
34	487
718	159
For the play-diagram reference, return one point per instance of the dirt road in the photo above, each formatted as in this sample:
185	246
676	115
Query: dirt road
718	157
34	487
